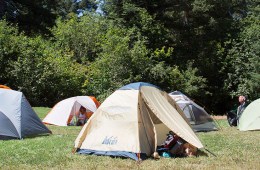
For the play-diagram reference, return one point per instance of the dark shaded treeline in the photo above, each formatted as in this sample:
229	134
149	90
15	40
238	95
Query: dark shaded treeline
206	49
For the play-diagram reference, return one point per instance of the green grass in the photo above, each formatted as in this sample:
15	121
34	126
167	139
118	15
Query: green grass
41	111
232	149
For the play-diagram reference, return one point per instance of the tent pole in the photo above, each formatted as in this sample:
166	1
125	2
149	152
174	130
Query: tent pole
210	152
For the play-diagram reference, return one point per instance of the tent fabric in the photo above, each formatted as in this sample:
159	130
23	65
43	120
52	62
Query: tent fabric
250	118
109	153
63	111
197	116
95	101
4	87
17	118
169	115
136	86
30	119
113	125
133	121
6	127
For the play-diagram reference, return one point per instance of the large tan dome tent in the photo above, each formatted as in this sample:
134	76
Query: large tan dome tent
132	122
64	111
17	118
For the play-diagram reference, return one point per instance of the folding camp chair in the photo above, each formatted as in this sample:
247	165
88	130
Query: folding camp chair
232	118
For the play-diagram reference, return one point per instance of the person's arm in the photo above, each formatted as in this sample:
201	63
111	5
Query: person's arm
238	111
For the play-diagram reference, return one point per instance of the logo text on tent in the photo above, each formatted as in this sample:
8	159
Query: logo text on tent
110	140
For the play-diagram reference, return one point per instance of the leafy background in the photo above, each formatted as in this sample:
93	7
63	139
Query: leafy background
209	50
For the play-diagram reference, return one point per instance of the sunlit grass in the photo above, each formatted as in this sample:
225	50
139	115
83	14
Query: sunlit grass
230	148
41	111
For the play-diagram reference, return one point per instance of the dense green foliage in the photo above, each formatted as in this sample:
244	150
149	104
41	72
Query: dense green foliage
38	16
243	58
33	65
206	49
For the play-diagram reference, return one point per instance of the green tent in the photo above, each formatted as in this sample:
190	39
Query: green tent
250	119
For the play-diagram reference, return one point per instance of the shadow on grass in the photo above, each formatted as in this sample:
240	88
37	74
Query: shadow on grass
27	137
38	135
203	153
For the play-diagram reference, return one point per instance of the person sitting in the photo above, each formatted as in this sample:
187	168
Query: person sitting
183	149
241	107
189	150
81	118
234	115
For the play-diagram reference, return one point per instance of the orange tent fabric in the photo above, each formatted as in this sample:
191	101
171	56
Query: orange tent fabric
4	87
95	101
89	114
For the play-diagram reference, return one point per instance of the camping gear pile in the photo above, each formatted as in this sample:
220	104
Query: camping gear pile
232	118
174	146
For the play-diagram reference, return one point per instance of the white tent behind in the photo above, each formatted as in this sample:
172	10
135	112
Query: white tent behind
250	118
63	110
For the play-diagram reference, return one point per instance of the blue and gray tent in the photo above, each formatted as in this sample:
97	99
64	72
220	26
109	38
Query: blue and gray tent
17	118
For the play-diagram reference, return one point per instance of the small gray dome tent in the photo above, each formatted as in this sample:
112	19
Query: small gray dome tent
199	119
17	118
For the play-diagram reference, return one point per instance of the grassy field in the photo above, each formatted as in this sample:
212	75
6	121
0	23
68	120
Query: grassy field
232	149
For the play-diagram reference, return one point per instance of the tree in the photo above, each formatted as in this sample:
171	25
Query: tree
81	35
242	61
194	30
44	74
39	16
120	62
9	43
